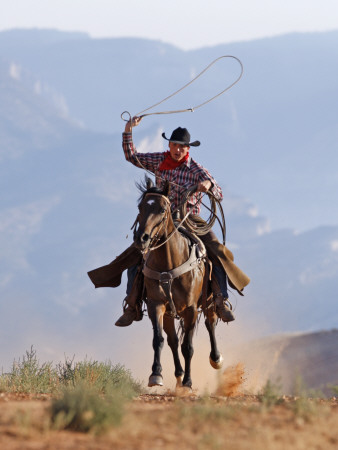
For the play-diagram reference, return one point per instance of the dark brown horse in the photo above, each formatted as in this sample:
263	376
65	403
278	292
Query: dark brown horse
174	275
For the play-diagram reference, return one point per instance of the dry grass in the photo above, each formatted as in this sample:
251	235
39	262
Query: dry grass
165	421
94	410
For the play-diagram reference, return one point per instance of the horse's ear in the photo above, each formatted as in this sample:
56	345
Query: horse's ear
149	183
166	188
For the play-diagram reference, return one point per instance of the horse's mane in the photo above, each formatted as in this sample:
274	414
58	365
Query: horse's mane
147	187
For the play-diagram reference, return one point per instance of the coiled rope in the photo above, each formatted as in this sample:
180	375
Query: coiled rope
195	223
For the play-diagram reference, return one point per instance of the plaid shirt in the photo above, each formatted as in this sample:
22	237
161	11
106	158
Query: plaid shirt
183	177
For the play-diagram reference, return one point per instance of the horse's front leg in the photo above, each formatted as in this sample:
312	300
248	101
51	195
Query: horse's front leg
156	312
172	339
216	358
190	316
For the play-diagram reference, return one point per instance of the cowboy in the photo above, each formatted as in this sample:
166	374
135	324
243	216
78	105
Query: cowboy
177	167
182	172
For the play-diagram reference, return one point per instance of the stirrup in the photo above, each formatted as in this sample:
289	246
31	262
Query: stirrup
130	314
223	311
137	307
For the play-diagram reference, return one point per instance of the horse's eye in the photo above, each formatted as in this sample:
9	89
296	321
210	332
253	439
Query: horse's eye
162	211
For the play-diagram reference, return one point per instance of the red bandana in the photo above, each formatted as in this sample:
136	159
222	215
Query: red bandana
169	163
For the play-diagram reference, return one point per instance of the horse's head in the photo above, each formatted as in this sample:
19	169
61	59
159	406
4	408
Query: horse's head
154	211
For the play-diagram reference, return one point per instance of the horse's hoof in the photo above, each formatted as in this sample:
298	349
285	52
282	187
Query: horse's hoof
179	382
216	364
155	380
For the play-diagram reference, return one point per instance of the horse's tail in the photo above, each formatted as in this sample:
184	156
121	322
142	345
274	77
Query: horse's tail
180	330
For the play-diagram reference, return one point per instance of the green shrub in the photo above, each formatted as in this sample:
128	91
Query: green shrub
334	390
102	376
83	408
29	376
270	394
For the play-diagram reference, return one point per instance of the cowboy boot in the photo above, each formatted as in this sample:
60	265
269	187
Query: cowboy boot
222	309
131	313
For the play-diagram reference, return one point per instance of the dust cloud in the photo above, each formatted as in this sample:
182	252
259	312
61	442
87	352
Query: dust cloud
231	381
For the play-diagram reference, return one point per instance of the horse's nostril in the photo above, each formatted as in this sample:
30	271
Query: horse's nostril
145	237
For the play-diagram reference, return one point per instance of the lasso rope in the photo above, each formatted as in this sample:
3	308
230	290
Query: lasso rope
192	109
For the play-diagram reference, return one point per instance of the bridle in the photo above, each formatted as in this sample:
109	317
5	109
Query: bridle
157	236
154	238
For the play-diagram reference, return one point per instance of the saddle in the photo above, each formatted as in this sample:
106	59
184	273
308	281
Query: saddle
201	251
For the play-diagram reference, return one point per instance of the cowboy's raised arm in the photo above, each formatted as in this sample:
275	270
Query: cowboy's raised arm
149	161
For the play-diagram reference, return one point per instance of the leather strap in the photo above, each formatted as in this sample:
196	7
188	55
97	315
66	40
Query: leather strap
166	278
190	264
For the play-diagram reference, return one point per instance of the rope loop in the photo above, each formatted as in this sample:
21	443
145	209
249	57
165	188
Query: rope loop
193	108
126	112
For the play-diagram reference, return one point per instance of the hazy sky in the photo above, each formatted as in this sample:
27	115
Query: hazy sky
184	23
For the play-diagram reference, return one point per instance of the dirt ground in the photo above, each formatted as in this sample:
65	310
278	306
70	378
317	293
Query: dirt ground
172	422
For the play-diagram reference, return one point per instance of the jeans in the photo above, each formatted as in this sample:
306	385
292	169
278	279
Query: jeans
221	279
131	274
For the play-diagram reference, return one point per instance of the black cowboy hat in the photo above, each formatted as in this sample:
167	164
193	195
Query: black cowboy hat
181	136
